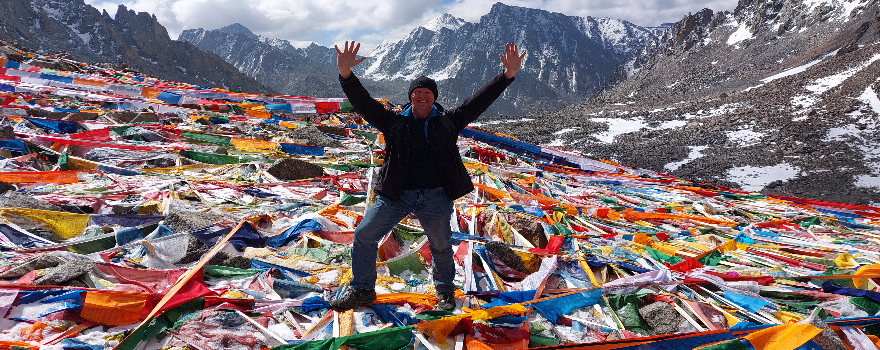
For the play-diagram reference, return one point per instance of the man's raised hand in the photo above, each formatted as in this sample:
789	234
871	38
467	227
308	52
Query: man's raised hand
511	60
348	58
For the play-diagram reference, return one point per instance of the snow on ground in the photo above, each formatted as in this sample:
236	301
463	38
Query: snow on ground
795	70
744	137
755	178
827	83
558	141
868	181
803	101
861	139
696	152
618	126
501	121
672	124
869	97
721	110
741	33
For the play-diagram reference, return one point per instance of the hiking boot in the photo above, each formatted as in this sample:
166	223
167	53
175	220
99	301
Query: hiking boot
353	298
446	301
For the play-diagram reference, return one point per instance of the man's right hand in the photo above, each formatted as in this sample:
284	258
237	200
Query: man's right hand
348	58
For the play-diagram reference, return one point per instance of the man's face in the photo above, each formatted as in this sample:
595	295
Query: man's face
422	98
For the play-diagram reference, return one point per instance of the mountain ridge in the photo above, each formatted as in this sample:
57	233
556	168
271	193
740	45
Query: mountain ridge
130	40
776	97
460	55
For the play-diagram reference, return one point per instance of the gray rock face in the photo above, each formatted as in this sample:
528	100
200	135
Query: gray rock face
272	62
775	97
134	39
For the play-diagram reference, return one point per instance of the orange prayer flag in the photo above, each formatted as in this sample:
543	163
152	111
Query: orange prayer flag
241	143
114	308
151	93
639	215
783	337
58	177
89	82
473	344
259	114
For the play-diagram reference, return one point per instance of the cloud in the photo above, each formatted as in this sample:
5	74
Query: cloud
374	22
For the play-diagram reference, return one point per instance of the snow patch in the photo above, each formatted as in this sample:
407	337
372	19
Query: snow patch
803	101
618	126
756	178
742	33
862	138
672	124
696	152
558	142
867	181
715	112
501	121
819	86
869	97
744	137
795	70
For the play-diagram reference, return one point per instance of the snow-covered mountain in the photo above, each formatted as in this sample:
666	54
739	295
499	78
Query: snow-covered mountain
778	96
136	40
570	58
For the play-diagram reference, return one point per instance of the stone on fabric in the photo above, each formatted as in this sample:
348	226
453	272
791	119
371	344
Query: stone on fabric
294	169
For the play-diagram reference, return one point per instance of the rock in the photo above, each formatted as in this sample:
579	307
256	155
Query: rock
6	187
44	114
294	169
7	133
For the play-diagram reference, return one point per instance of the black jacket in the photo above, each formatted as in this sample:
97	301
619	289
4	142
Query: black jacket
442	135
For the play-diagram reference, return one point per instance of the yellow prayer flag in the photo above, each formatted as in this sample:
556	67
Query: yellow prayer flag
65	225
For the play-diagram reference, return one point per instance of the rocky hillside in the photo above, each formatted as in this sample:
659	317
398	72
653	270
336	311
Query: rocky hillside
778	97
129	40
570	58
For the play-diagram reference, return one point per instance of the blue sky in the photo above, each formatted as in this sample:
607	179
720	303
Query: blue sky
374	22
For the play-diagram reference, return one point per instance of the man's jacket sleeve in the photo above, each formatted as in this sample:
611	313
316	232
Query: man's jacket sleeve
373	111
479	102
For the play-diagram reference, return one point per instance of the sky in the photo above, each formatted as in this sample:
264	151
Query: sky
374	22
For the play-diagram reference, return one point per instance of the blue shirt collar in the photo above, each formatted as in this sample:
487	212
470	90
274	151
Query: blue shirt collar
408	111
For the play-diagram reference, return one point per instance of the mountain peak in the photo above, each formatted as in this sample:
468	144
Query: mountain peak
444	21
238	28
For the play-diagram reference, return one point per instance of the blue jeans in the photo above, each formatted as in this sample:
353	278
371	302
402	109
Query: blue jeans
434	211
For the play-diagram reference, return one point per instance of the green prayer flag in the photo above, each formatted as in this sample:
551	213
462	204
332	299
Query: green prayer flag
217	140
62	160
658	255
386	339
711	259
346	107
367	135
865	303
227	272
213	158
807	222
348	199
431	315
536	341
735	344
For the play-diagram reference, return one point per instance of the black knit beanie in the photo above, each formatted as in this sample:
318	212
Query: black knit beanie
424	82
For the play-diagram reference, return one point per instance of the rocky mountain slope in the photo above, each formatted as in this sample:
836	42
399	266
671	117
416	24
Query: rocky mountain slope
129	40
309	71
778	97
570	58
